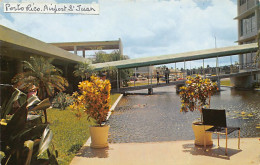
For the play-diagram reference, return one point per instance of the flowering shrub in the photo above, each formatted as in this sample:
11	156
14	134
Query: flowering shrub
62	100
195	93
93	98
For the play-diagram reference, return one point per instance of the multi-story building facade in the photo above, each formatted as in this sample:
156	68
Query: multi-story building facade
248	27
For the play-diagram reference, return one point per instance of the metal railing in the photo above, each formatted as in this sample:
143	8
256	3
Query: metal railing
151	78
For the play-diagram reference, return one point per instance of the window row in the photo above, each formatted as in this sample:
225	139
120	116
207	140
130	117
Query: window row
248	25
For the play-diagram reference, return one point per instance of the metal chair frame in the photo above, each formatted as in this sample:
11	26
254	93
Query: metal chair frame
217	118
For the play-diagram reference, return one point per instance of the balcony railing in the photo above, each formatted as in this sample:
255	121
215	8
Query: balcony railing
248	5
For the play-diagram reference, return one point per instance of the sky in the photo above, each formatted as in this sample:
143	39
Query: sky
146	27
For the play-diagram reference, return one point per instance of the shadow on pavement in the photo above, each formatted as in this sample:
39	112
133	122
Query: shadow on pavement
89	152
217	152
136	93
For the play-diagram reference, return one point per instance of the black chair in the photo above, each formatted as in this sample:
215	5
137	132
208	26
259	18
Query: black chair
217	118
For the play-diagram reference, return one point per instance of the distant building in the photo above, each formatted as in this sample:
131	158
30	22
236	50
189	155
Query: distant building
248	16
83	47
144	71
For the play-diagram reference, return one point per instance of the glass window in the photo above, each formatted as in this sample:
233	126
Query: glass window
242	2
248	25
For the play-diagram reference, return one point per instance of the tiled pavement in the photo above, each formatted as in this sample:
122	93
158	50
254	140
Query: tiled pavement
171	153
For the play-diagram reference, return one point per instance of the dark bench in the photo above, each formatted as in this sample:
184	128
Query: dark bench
217	118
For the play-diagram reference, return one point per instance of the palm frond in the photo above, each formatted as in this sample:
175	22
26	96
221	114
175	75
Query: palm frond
41	73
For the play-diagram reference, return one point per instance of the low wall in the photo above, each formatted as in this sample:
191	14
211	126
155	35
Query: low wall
243	81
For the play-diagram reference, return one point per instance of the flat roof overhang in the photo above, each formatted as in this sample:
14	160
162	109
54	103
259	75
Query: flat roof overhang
13	42
91	45
247	12
179	57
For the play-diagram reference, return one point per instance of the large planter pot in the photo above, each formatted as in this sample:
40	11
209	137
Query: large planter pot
201	135
99	135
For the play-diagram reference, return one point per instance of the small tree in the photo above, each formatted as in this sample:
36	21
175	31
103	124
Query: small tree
195	93
83	70
102	57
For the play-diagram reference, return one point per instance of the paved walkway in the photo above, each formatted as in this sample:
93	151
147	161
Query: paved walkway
169	153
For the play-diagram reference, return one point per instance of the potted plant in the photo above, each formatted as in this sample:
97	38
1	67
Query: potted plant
195	95
93	98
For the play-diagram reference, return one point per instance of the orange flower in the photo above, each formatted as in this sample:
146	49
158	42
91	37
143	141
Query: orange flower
93	99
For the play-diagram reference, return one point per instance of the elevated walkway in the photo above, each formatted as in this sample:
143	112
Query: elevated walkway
179	57
182	82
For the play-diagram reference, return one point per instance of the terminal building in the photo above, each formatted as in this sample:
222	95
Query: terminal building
16	47
248	18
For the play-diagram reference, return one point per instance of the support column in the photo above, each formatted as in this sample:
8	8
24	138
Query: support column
75	50
175	72
217	66
148	74
184	69
231	67
135	77
117	80
257	14
151	71
83	53
218	83
217	72
120	47
204	70
150	89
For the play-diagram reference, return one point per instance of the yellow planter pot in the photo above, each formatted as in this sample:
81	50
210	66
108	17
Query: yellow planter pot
99	136
200	134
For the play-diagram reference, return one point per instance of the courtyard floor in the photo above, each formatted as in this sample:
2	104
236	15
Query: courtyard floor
148	129
172	152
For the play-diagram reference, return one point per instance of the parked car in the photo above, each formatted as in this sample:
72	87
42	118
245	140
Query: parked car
133	78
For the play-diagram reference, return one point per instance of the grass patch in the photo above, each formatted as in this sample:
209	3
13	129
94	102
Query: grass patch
70	133
226	83
113	98
138	84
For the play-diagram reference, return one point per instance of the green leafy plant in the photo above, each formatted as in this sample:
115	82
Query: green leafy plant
94	98
195	93
40	72
62	100
83	70
112	72
21	142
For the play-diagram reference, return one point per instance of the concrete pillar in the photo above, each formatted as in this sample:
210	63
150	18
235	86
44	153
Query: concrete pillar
135	77
120	47
75	50
204	70
257	14
184	70
117	80
241	62
218	83
217	67
150	91
242	81
175	72
83	53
